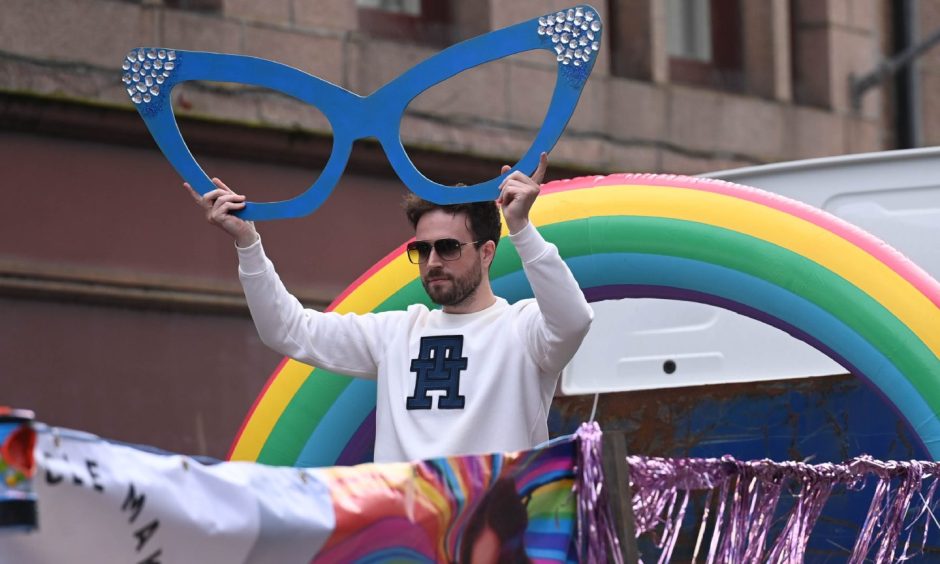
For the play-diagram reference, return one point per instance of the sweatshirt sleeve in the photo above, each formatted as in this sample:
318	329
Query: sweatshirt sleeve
347	344
554	332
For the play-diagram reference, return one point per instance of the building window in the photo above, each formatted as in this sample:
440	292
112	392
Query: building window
704	42
690	25
195	5
409	7
421	21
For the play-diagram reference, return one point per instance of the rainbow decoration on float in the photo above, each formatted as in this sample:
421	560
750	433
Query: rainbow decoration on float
776	260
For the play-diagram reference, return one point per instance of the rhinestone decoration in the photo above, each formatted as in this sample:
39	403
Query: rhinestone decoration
573	34
145	71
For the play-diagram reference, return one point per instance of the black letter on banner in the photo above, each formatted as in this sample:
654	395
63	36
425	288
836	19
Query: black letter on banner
153	558
144	533
134	502
93	472
52	479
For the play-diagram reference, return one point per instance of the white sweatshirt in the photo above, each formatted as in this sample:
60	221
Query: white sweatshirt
447	384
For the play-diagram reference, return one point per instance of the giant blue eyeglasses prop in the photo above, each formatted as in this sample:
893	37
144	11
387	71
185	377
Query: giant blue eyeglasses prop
572	35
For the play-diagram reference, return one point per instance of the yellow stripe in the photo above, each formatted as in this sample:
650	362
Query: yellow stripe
270	408
377	288
805	238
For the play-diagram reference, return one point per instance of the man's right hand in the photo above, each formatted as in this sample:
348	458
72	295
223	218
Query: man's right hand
218	205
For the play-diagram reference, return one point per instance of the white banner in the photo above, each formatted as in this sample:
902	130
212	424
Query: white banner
105	502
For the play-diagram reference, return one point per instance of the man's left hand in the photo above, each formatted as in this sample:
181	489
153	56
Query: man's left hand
518	192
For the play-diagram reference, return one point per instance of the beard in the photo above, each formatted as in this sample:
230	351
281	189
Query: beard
458	290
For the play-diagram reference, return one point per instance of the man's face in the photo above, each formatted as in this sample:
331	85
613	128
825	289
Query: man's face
449	282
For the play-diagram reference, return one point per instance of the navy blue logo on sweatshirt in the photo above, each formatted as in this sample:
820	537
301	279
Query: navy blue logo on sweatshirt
438	367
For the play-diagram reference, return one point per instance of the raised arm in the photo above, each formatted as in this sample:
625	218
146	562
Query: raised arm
347	344
555	332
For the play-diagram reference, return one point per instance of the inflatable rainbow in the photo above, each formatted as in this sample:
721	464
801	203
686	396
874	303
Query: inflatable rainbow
784	263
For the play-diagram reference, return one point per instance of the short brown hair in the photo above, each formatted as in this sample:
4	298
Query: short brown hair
482	217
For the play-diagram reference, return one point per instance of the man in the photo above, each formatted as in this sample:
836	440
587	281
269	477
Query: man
475	376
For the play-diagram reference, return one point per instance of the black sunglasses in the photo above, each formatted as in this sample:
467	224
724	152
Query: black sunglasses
447	249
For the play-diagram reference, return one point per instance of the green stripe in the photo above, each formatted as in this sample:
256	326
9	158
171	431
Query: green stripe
301	416
555	504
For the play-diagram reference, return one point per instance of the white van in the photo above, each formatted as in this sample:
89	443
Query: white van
649	343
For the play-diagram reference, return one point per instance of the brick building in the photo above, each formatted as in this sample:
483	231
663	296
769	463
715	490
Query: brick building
120	311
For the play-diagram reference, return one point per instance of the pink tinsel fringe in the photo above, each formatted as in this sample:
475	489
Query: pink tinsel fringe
596	529
748	494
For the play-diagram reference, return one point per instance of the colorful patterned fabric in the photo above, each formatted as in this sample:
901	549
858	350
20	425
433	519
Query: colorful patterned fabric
433	511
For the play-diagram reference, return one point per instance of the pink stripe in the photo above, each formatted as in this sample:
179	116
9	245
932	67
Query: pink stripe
531	474
893	259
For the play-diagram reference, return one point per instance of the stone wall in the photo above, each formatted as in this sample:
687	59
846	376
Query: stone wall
795	104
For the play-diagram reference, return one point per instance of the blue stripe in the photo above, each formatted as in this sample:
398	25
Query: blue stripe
338	425
550	525
547	554
453	484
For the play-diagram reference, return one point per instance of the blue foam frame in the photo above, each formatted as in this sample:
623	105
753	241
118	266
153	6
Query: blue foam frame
354	117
